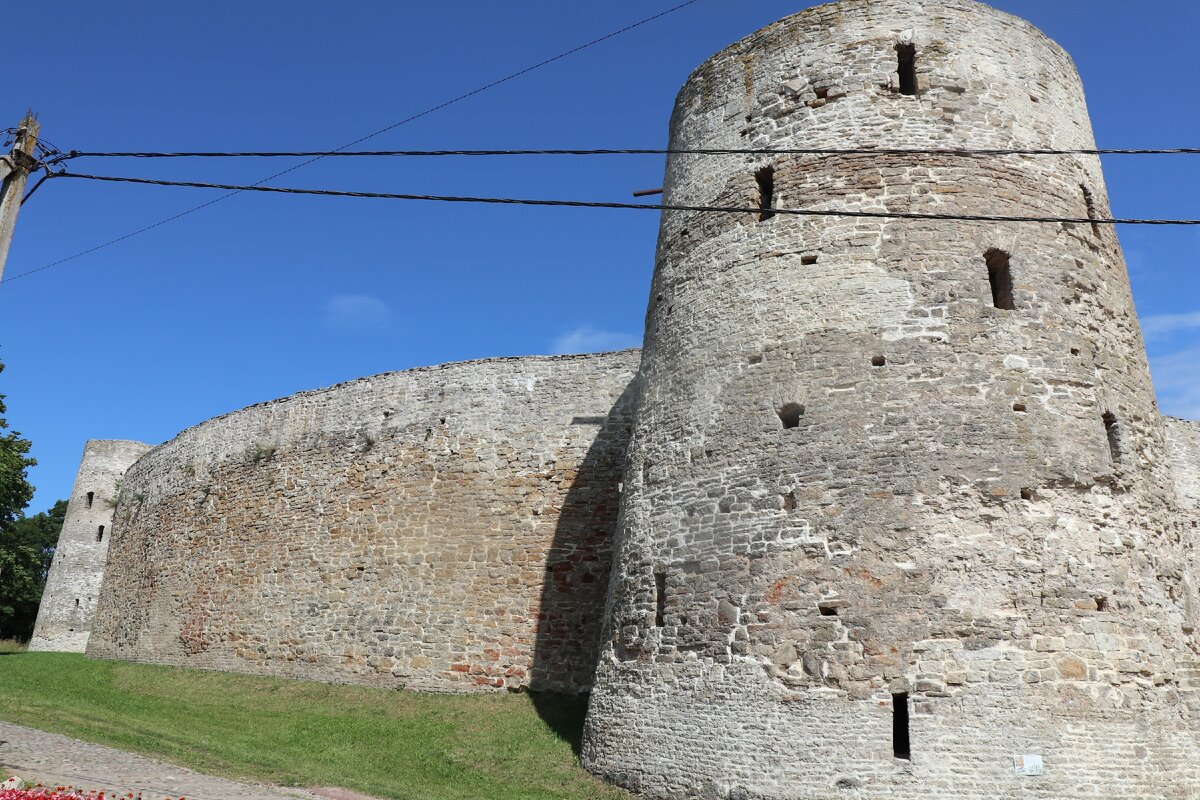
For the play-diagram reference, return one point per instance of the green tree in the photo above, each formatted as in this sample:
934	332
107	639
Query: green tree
22	561
26	550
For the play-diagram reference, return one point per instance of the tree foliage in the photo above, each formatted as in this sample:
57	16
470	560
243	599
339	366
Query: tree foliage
26	550
24	559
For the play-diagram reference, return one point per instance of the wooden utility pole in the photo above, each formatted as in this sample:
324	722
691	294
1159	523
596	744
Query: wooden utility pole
14	170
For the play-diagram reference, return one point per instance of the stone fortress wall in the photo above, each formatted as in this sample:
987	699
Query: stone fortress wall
73	584
1183	441
887	503
443	528
898	505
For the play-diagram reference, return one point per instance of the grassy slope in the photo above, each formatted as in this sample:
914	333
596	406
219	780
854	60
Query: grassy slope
296	733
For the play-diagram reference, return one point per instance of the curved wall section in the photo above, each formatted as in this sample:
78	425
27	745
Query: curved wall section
73	585
897	506
1183	438
443	528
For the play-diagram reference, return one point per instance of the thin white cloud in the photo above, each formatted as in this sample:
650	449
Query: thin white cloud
359	313
1177	382
586	339
1160	325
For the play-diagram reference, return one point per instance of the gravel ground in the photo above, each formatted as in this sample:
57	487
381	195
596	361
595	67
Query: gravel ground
55	760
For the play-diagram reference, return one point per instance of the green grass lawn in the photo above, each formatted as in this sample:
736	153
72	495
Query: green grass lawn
384	743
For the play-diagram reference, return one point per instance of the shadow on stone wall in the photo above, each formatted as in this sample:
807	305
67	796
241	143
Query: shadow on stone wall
576	578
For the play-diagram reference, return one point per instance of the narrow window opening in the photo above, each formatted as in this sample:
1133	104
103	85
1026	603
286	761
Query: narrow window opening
1027	494
907	57
756	359
660	599
100	534
765	178
1114	436
808	260
1090	202
1000	276
1101	603
90	496
878	361
827	609
790	415
77	602
822	92
900	741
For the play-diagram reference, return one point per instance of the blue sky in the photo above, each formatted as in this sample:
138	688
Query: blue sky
260	296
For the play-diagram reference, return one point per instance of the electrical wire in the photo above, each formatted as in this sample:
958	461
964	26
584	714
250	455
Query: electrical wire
341	153
393	126
807	212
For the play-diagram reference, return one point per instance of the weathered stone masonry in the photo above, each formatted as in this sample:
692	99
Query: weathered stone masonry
1183	442
898	505
73	585
443	528
884	505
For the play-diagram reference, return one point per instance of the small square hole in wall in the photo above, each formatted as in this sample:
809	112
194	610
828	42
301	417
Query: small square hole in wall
878	361
1027	494
1113	432
1101	603
660	599
1074	351
1089	202
790	414
901	746
765	179
756	359
827	609
1000	278
808	260
1019	408
906	57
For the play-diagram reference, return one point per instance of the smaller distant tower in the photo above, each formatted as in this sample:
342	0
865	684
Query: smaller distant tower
65	615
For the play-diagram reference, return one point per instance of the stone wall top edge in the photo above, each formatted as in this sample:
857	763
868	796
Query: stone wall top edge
749	41
614	356
1191	423
131	443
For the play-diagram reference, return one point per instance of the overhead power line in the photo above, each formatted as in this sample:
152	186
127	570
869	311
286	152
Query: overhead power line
805	212
432	109
817	151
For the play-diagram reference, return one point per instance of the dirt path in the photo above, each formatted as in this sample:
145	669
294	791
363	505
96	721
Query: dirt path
56	760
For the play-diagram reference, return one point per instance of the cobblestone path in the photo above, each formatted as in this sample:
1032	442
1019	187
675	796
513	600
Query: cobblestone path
56	760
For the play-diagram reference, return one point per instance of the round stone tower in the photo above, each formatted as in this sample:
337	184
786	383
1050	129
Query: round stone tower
897	519
68	603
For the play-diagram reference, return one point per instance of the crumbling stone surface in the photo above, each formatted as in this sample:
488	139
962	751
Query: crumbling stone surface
443	528
73	583
898	503
1183	440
